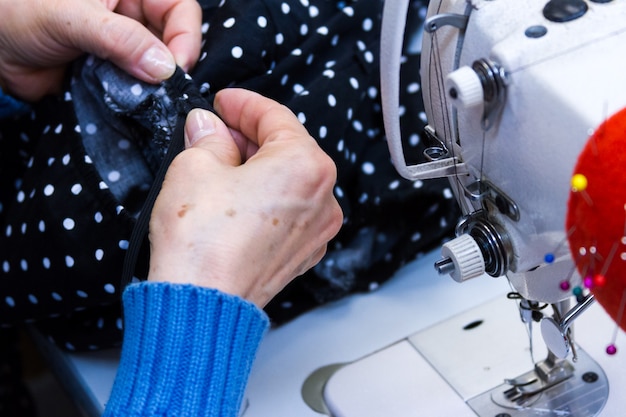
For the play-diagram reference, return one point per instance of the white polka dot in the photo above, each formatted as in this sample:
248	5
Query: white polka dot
69	261
414	139
236	52
340	145
205	27
9	231
110	288
418	184
296	52
123	244
322	30
302	117
368	24
91	129
88	159
119	209
413	88
98	217
314	11
323	132
76	189
32	299
372	92
369	57
100	323
447	194
304	29
58	129
339	192
114	176
285	8
66	159
56	296
348	10
261	21
46	263
280	38
374	286
48	190
368	168
69	346
416	236
136	89
6	267
119	324
354	83
82	294
394	184
69	224
332	101
123	144
23	228
329	73
357	125
21	197
99	254
10	301
305	3
24	265
103	185
229	23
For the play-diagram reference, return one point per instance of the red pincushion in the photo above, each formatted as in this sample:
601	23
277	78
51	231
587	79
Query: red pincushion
596	215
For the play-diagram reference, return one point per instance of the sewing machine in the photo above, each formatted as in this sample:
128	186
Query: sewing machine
512	90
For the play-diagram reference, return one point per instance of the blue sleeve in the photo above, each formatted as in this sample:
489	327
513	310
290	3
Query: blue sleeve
187	351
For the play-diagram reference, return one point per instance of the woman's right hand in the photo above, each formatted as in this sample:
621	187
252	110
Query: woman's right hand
248	206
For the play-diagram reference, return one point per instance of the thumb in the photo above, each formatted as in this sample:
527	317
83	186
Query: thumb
205	130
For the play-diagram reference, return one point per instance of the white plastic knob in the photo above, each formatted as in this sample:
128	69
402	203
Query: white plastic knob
464	87
465	253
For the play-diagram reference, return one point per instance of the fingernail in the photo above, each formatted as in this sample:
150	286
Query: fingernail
200	123
158	63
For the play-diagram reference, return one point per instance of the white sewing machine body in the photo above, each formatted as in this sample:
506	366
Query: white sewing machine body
562	80
512	89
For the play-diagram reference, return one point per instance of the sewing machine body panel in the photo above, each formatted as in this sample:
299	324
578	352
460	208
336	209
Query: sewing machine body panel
559	88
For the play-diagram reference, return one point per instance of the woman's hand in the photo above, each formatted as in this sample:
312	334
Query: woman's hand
146	38
248	206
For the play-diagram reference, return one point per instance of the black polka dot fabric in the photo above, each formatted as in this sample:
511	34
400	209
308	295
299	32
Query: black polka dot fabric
76	170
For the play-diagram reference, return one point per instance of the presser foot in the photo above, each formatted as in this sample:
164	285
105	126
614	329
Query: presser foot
579	391
527	388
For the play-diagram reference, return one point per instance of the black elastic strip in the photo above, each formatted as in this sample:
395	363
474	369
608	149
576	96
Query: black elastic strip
186	97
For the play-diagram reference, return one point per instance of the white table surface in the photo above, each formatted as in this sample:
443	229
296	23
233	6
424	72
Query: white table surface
345	331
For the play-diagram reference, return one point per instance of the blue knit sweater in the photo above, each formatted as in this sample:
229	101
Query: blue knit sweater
187	352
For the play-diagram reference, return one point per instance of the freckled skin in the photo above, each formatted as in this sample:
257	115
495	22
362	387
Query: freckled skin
183	210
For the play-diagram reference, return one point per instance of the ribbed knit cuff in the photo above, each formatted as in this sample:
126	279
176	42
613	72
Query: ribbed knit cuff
187	351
